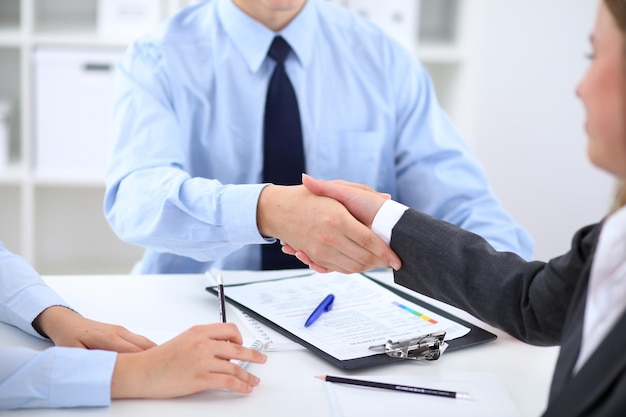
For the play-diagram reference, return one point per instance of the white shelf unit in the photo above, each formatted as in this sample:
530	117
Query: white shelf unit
57	223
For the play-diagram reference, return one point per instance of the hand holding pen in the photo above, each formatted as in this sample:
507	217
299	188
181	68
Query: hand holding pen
256	345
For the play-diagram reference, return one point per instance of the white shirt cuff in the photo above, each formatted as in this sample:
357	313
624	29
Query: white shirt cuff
386	218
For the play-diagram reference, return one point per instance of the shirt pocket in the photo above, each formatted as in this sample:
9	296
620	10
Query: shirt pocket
353	156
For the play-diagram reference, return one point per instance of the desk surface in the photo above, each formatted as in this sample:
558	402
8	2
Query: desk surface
170	304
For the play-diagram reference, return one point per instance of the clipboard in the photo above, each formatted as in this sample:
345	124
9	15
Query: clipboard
476	335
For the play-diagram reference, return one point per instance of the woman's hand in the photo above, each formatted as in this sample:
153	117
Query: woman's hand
66	327
194	361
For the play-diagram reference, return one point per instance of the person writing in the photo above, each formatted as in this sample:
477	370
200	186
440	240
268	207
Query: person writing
220	110
85	368
577	300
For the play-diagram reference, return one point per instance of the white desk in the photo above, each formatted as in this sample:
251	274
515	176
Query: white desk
172	303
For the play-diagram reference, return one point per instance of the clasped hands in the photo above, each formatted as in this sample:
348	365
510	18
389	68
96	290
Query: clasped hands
326	225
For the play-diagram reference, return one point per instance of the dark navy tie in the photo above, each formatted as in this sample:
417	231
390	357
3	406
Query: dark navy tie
283	154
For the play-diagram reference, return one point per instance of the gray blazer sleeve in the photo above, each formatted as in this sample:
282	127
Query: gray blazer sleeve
528	300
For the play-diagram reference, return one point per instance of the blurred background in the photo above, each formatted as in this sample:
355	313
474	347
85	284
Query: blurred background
506	73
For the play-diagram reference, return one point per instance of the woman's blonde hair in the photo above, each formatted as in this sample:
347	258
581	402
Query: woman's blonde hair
617	8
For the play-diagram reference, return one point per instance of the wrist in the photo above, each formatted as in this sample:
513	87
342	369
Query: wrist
386	218
53	318
124	381
269	206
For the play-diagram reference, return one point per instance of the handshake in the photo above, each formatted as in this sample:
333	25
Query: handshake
327	225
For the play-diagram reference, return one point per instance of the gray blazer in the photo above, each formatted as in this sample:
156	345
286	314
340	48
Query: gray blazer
537	302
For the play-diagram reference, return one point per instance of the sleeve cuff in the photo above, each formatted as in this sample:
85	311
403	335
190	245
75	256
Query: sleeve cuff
240	220
386	218
81	377
57	377
29	303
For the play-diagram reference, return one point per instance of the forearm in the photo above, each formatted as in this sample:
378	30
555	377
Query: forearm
483	215
128	374
278	209
529	300
164	209
23	294
51	378
53	321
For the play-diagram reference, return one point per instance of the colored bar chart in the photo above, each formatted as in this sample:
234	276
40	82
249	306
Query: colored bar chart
415	313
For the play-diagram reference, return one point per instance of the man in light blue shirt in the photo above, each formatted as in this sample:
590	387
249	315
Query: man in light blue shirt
71	377
185	175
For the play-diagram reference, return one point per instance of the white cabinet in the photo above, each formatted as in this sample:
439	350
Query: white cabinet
54	217
53	60
72	133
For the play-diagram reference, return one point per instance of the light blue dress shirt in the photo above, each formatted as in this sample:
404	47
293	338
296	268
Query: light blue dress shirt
55	377
186	164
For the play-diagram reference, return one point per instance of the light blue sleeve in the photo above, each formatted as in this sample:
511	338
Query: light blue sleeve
56	377
151	200
437	173
23	294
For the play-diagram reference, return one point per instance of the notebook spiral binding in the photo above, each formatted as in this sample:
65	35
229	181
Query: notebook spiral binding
257	329
256	345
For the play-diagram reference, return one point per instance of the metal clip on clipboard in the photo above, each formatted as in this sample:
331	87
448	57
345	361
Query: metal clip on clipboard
428	347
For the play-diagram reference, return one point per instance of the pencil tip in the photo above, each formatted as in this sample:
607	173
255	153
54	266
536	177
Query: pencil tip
220	278
322	377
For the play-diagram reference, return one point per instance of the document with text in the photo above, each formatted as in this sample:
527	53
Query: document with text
363	313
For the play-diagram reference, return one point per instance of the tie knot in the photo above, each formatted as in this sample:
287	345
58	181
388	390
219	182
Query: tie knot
279	50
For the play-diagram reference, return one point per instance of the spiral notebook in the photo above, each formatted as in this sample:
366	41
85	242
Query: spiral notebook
270	339
255	344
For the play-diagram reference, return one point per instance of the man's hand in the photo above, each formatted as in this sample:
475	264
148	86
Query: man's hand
68	328
323	229
361	201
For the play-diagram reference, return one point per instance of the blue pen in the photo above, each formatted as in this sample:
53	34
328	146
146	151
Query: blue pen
325	305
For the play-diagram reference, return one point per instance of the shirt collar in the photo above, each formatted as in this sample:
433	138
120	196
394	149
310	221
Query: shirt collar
253	40
614	228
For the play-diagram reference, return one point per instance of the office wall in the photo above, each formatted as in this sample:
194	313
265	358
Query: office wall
528	125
